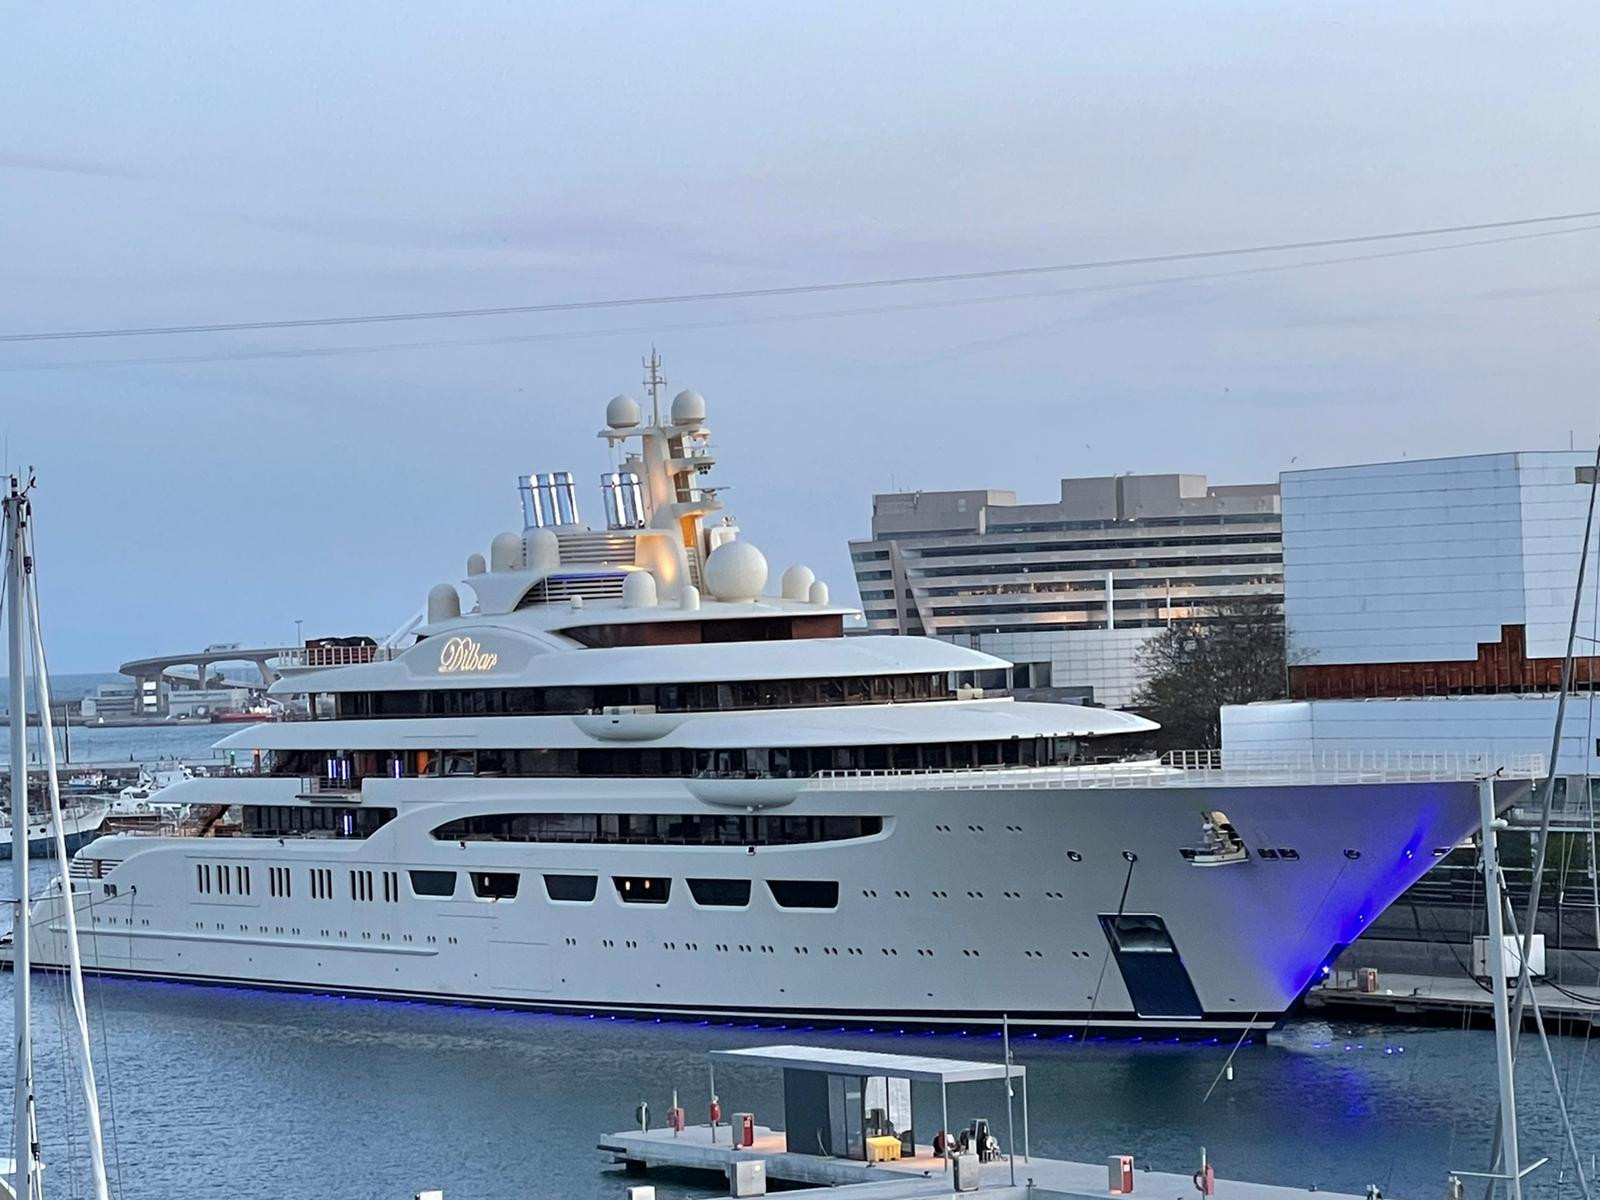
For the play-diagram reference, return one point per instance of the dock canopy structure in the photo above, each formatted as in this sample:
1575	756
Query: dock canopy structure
838	1103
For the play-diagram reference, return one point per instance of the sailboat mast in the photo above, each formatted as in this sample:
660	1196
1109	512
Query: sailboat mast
16	606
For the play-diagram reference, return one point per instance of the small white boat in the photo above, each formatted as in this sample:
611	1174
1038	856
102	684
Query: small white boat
80	824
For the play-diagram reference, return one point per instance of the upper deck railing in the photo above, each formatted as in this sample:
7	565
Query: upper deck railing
303	657
1210	768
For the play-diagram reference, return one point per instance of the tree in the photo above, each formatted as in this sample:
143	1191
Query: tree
1234	653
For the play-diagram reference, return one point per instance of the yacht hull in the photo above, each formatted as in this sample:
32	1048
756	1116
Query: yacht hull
971	903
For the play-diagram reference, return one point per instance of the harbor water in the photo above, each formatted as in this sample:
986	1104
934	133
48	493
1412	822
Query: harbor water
132	744
222	1092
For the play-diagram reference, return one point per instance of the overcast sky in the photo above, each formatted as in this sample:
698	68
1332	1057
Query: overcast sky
183	163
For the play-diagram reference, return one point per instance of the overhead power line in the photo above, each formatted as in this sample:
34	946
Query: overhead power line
793	290
561	335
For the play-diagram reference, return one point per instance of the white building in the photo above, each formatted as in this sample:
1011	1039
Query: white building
1069	590
1428	606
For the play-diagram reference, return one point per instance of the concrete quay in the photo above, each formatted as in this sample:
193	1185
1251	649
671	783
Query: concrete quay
1452	998
911	1178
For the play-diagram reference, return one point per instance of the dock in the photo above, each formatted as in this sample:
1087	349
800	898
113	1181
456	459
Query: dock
856	1110
906	1178
1451	998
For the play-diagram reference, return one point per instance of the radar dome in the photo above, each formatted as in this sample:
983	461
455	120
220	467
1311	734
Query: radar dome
476	565
735	571
444	603
622	412
638	590
505	552
688	408
541	550
797	581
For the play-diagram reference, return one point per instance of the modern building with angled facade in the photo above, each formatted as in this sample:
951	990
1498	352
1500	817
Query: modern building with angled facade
1069	590
1428	605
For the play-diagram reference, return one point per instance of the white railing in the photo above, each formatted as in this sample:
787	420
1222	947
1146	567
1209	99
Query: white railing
1209	768
303	657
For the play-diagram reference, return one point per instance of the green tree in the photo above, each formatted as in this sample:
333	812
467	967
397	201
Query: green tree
1233	653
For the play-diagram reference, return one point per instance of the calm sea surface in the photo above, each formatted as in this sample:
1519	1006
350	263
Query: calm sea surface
221	1092
145	744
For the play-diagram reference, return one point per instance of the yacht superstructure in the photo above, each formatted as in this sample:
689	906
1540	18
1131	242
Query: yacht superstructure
626	776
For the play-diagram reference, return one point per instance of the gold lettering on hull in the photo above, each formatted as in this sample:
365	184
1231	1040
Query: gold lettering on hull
463	654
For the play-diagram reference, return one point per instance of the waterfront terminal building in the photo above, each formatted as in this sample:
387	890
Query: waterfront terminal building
1428	605
1069	590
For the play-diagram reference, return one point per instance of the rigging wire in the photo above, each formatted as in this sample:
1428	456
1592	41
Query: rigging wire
782	318
790	290
111	1101
1544	1042
1122	902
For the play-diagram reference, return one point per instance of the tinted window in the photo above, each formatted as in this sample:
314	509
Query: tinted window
571	887
728	893
805	893
642	889
433	883
495	885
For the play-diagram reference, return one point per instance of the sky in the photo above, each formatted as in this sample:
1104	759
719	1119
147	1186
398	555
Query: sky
178	164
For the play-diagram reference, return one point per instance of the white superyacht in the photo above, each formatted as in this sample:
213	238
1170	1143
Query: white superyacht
612	772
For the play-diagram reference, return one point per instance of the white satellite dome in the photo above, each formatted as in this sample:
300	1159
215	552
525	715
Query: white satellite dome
797	581
541	549
688	408
736	571
444	603
638	590
622	412
505	552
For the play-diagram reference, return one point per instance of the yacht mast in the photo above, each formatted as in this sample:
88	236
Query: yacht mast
80	1007
25	1166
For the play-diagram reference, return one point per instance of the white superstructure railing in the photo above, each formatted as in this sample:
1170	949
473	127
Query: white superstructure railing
302	657
1209	768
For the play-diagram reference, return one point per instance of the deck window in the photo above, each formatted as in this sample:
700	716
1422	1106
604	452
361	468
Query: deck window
433	883
720	893
573	889
642	889
495	885
657	829
805	893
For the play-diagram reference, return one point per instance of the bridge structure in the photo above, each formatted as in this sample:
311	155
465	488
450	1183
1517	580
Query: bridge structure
269	663
169	668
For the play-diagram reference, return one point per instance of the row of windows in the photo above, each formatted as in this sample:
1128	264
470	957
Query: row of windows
226	879
223	879
1046	604
313	820
777	762
657	889
996	550
658	829
664	697
361	885
990	566
1027	585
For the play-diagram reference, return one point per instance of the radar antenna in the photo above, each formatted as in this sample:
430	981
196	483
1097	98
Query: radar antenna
654	381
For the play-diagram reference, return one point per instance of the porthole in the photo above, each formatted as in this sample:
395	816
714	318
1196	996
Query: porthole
1352	855
1074	856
